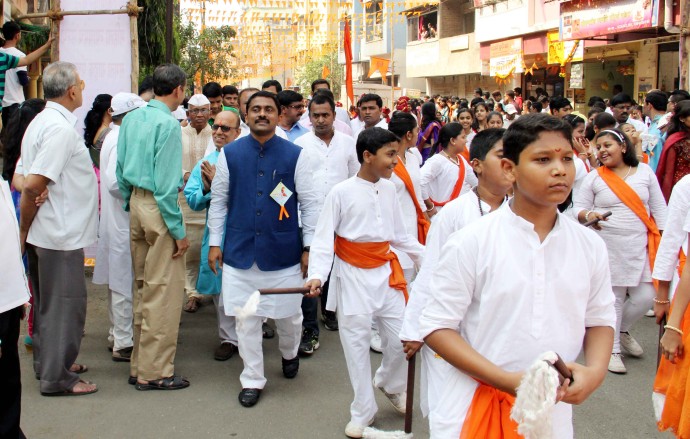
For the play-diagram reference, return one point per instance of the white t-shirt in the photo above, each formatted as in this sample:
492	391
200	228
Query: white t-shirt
68	220
14	289
14	92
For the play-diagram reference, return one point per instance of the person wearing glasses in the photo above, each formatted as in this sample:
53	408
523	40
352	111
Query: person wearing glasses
291	111
196	137
197	191
55	235
621	106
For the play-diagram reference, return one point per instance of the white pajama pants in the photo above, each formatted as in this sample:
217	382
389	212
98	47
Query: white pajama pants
631	304
226	324
433	378
121	318
355	335
250	339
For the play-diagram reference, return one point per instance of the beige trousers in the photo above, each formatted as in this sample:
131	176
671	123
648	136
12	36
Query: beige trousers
195	234
159	290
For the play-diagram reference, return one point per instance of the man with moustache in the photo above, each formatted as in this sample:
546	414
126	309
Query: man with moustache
260	183
197	192
370	113
620	105
245	94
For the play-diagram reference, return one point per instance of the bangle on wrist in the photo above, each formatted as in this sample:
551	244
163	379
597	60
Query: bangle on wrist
661	302
674	329
587	215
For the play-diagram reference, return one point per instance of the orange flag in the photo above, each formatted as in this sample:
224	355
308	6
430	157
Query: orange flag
347	46
380	64
325	72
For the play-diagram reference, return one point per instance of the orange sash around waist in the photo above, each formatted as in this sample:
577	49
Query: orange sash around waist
372	255
489	415
458	184
633	201
422	223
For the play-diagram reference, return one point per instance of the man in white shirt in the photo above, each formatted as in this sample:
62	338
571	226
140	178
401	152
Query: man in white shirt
620	106
15	79
195	139
54	157
332	159
370	106
14	293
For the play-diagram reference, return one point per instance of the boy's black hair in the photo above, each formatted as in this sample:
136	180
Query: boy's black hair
322	98
370	97
527	129
402	123
558	102
593	100
274	83
288	97
537	106
230	90
373	139
146	85
620	98
574	120
658	99
603	121
318	82
10	30
630	155
212	90
264	94
484	141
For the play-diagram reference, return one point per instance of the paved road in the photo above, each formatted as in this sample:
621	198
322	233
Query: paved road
313	405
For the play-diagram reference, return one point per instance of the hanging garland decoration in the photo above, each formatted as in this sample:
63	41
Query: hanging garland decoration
503	79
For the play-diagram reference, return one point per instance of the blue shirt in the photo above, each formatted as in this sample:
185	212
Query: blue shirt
295	132
655	151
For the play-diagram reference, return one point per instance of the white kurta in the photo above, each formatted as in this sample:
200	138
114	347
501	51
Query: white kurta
515	298
329	164
409	212
113	257
439	176
238	284
674	235
624	233
359	211
14	288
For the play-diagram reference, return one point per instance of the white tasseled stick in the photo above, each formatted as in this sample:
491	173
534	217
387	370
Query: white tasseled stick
535	399
373	433
249	309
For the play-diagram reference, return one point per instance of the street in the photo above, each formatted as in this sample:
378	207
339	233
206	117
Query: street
313	405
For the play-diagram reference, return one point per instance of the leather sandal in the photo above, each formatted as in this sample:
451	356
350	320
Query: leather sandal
174	382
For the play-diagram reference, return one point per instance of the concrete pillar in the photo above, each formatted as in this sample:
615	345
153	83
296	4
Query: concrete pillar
646	68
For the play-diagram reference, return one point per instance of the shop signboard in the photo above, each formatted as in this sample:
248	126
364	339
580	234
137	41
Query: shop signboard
576	75
505	57
584	19
559	50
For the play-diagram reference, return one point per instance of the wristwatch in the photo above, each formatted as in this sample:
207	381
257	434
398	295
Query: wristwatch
306	248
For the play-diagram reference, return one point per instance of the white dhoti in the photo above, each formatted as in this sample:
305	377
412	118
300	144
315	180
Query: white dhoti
355	334
227	332
285	309
120	312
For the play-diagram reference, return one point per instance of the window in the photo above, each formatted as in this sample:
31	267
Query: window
423	26
374	20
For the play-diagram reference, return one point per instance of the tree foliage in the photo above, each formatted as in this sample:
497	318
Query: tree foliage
313	70
151	26
208	53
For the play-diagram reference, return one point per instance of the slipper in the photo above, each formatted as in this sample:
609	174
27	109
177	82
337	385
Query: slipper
192	305
174	382
71	391
80	368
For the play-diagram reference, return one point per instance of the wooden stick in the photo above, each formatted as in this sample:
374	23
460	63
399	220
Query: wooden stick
563	369
301	290
409	403
596	220
134	38
55	30
65	13
661	334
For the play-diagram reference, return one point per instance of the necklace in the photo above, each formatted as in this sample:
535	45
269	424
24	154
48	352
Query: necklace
627	173
479	200
455	162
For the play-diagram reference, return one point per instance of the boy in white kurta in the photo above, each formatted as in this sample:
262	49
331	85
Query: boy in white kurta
364	214
485	198
504	281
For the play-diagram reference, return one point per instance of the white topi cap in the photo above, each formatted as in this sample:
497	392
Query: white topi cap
198	100
510	109
125	102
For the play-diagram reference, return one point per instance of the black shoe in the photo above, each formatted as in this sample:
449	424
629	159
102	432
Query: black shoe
132	381
249	397
225	351
123	355
290	367
310	342
330	322
268	332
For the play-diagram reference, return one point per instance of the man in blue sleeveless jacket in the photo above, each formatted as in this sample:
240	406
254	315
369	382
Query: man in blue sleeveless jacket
261	181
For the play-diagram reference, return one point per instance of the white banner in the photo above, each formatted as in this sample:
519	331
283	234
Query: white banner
100	47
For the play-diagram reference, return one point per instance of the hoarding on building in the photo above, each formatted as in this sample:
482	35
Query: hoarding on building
585	19
505	57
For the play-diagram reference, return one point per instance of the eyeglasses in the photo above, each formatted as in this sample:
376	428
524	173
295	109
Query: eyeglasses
199	111
223	128
297	107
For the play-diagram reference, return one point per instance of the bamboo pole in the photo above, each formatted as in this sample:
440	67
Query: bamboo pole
59	14
55	31
134	37
684	46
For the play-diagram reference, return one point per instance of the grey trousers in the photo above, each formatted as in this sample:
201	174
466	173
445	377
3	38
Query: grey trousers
59	289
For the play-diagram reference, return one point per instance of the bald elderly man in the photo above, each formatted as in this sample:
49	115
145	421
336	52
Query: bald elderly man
225	128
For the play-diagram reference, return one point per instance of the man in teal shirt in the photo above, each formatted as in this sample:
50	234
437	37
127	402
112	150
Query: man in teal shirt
149	175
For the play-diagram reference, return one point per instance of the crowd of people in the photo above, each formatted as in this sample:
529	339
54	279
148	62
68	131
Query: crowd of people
414	232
